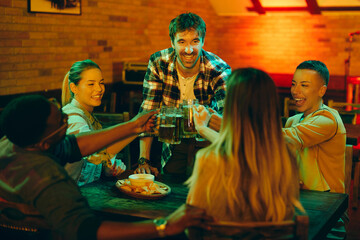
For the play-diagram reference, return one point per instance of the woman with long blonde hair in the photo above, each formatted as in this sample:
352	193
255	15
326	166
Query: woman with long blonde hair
249	172
83	89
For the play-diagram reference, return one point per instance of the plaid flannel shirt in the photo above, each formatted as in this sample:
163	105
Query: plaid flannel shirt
161	84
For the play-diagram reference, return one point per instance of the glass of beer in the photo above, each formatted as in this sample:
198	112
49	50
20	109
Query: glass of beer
188	124
169	130
178	121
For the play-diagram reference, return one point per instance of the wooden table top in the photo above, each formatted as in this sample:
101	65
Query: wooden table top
323	208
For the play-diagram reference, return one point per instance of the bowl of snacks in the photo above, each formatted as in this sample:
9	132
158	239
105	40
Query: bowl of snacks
154	190
141	179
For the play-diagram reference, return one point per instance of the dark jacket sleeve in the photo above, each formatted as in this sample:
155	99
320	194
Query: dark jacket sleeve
66	151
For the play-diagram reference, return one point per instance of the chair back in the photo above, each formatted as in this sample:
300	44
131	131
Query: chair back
292	229
348	167
343	105
111	119
21	221
346	110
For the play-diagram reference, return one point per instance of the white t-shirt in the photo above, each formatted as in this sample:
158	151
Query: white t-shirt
186	87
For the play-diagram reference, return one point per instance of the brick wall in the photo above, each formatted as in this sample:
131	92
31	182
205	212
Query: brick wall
37	49
277	44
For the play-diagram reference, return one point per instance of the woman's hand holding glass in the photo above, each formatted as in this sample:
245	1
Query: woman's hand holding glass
215	120
201	117
145	121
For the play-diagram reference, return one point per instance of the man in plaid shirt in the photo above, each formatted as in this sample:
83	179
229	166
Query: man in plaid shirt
182	72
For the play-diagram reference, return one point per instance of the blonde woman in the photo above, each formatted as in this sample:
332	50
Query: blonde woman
249	172
83	89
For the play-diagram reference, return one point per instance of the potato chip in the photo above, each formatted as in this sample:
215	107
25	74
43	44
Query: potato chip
126	188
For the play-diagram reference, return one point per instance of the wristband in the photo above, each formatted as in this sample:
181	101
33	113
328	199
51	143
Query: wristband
160	225
143	161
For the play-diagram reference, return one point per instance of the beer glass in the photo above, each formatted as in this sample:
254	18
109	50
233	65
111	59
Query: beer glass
178	120
169	130
188	124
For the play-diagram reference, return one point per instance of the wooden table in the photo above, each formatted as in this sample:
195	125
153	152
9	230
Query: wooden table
323	208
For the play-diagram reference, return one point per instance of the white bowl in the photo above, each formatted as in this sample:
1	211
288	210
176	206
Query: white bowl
141	179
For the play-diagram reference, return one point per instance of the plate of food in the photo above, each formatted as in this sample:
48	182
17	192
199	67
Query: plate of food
153	190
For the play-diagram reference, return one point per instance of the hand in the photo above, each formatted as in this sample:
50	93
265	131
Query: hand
201	117
146	168
116	169
186	216
145	121
215	120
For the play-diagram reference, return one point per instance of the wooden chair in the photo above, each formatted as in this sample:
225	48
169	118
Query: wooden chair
348	167
353	135
350	109
20	221
347	111
111	119
292	229
289	105
343	105
355	193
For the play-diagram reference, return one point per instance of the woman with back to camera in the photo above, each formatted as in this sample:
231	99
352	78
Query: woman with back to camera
249	172
83	89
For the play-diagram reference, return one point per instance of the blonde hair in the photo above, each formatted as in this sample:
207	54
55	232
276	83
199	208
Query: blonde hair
74	76
256	174
66	93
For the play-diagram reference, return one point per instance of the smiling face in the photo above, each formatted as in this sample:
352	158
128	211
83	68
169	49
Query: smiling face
90	89
307	89
188	47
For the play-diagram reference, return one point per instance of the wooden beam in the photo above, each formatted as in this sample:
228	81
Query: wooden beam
258	7
313	7
279	9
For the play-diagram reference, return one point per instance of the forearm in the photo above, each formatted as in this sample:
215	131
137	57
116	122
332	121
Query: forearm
118	146
91	142
145	147
208	133
215	122
319	127
292	134
116	230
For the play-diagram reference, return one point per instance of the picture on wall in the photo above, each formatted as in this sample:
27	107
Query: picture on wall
55	6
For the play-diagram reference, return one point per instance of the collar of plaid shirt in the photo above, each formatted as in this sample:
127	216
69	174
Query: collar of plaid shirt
161	84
